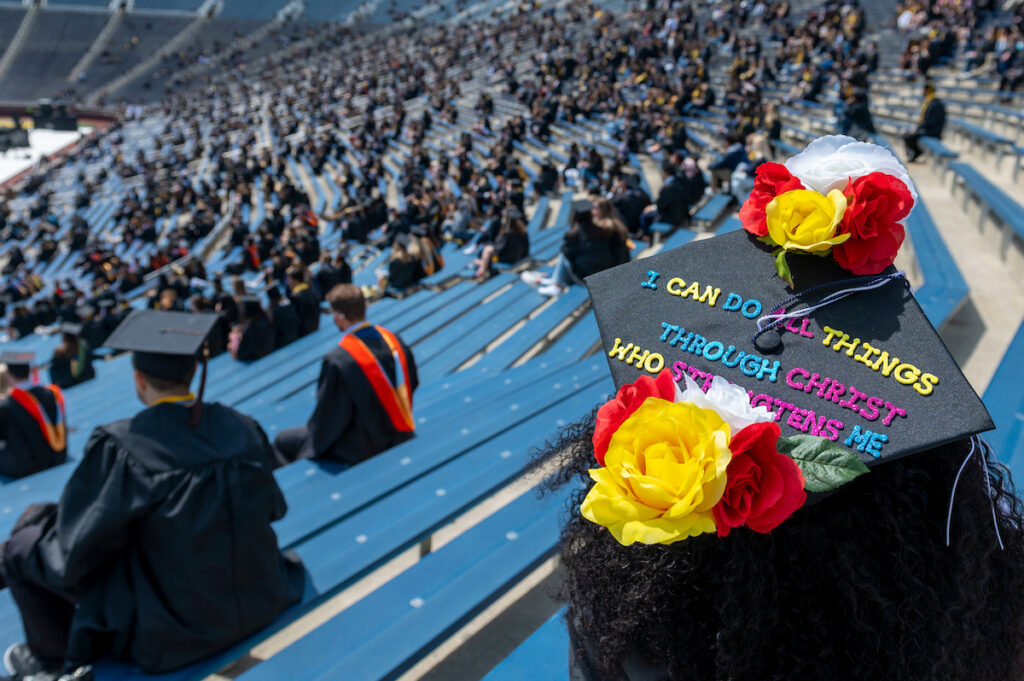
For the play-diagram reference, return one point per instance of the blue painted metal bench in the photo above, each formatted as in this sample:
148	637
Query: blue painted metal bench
729	225
992	201
1004	398
712	209
454	345
399	623
986	139
940	153
533	332
944	289
544	656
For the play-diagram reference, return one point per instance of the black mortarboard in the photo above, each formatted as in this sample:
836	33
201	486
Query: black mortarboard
164	345
582	206
868	371
19	363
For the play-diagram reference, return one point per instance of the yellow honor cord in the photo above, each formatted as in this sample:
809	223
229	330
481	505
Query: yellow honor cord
175	399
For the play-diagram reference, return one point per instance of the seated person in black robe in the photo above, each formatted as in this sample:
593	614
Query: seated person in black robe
72	360
33	433
305	302
283	317
364	394
160	550
254	336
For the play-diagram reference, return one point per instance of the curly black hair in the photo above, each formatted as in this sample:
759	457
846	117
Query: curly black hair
859	586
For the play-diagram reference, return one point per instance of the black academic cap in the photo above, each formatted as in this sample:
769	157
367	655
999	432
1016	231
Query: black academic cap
164	345
17	362
868	371
582	206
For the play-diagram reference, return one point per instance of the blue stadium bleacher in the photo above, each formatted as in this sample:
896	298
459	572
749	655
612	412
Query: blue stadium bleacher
168	5
544	656
55	43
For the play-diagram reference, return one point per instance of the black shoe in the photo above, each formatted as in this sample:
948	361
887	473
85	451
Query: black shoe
22	663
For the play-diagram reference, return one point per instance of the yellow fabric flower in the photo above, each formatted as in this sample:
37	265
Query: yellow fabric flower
803	219
663	473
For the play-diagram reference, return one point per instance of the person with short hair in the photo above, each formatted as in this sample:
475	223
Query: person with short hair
33	428
160	550
364	393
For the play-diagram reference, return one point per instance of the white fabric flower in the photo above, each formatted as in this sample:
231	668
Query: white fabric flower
731	402
830	162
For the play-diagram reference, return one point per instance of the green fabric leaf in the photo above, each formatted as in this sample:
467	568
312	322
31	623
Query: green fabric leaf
767	240
782	268
825	464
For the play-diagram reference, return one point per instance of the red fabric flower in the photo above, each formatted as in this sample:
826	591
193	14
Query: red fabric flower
875	204
770	180
764	487
629	398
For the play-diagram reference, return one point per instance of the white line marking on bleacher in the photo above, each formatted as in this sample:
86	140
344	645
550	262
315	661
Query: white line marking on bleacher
511	536
361	539
417	602
335	496
405	461
441	492
505	454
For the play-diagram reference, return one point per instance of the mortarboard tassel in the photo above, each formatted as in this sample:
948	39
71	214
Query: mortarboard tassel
197	406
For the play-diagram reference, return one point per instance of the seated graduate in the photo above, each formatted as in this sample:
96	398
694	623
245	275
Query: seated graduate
364	394
254	336
283	317
795	496
304	300
72	360
33	432
160	550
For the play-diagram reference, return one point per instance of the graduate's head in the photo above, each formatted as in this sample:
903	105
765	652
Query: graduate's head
348	305
770	492
16	367
860	585
165	347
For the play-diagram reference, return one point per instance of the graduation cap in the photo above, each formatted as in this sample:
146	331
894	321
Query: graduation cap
582	206
868	371
165	345
18	363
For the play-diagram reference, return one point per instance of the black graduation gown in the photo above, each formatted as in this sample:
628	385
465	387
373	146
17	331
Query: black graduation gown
257	339
61	374
163	534
286	323
23	448
349	423
308	308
